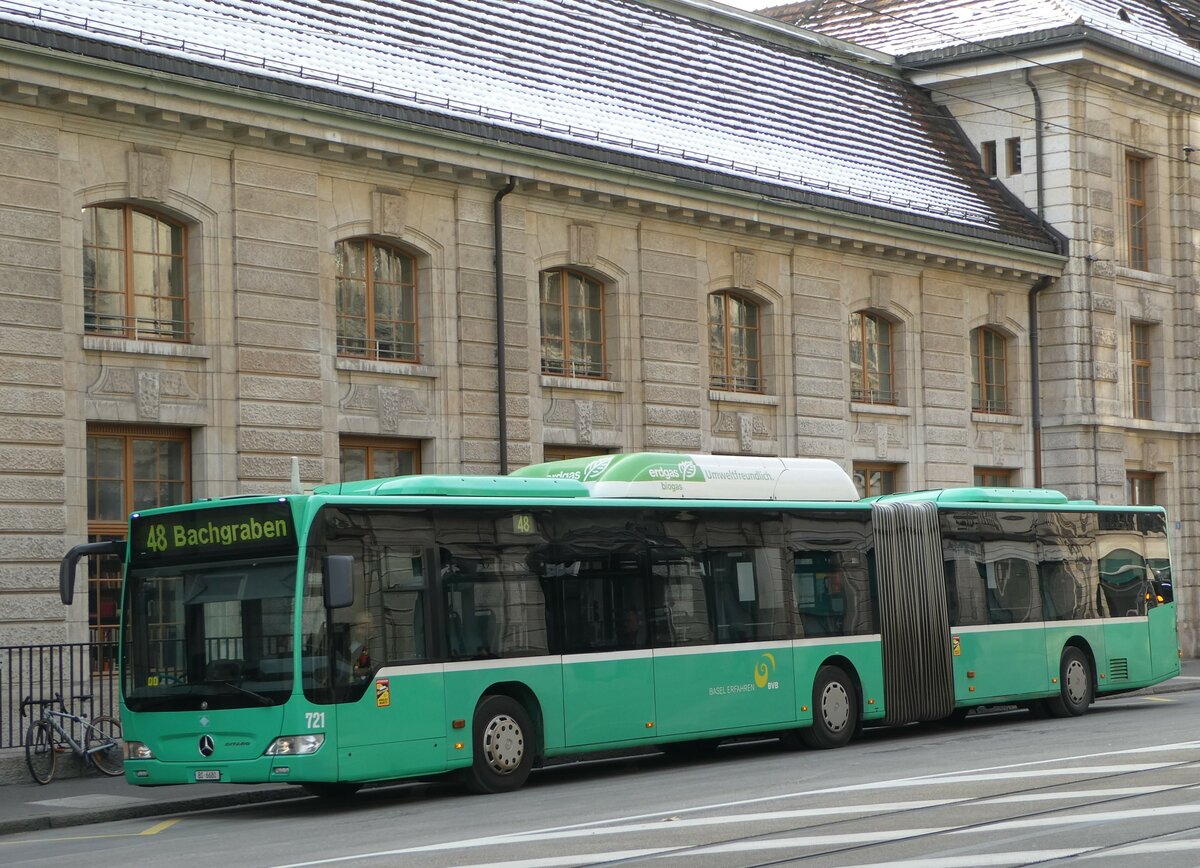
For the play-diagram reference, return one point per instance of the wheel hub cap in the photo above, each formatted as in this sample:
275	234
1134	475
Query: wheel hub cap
835	707
503	744
1076	680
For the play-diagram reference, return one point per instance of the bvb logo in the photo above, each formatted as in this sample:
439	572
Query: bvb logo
762	672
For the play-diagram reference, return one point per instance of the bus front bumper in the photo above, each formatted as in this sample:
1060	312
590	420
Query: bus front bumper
261	770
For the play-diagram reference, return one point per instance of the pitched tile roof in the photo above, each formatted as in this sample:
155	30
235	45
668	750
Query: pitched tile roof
620	79
900	27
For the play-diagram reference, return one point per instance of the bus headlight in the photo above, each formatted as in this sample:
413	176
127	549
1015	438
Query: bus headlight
292	745
136	750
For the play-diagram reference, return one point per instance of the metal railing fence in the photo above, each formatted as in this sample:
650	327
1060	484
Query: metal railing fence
40	671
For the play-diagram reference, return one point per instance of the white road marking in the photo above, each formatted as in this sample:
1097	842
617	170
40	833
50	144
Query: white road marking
1183	846
1069	819
799	841
1002	772
982	860
723	820
1043	773
577	859
1072	794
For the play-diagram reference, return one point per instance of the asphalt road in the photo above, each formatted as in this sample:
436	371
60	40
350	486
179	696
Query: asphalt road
1116	787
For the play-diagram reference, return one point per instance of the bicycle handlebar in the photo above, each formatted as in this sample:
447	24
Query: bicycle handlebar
29	701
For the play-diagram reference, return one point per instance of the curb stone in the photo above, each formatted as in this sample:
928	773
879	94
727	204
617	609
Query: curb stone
149	809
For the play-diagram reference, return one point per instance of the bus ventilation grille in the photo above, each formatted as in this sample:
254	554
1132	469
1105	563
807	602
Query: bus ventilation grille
1118	669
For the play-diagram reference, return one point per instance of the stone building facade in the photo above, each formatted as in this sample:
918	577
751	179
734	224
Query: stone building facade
1086	110
251	196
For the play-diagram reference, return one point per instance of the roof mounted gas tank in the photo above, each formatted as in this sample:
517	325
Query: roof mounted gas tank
702	477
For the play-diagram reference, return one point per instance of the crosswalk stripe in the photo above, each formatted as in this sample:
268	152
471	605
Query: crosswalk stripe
982	860
1096	817
1178	846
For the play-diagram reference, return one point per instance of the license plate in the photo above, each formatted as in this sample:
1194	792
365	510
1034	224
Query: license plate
208	775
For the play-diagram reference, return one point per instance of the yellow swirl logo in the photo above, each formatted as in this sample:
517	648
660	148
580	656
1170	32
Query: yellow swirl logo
762	672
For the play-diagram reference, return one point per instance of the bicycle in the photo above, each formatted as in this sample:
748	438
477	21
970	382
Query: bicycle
52	733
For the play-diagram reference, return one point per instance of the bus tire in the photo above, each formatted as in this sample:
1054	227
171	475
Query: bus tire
835	710
1076	687
331	792
503	746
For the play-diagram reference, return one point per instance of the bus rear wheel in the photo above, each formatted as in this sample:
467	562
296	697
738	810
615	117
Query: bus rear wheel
1075	685
835	710
503	746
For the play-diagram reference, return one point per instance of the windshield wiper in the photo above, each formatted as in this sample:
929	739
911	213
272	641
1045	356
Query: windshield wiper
262	700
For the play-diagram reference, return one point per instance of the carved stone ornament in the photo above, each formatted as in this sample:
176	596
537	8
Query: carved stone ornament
148	174
745	431
149	395
582	244
745	269
387	213
584	415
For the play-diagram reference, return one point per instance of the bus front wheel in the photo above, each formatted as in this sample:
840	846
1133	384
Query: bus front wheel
503	746
1075	685
835	710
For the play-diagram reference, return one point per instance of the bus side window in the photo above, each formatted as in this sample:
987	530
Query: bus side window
819	584
683	617
1013	595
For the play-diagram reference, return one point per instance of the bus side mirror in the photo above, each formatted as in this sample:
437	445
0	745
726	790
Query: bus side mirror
338	571
66	568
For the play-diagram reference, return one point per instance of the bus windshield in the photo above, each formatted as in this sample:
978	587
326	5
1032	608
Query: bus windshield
209	635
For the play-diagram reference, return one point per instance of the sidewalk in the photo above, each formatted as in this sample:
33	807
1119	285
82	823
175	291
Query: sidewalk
76	799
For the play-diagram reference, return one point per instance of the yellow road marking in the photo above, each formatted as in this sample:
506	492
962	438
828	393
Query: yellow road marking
1158	699
153	830
158	827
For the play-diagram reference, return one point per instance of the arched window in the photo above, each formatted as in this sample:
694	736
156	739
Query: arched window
872	379
572	306
134	274
734	346
376	302
989	371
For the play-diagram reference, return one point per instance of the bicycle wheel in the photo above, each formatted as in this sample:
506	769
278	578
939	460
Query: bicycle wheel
103	745
41	753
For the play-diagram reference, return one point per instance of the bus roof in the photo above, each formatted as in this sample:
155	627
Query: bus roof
1012	496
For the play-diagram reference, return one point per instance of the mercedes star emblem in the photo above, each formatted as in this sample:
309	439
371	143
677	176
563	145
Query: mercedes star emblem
206	745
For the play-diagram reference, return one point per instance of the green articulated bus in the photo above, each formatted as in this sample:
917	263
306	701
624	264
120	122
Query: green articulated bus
418	625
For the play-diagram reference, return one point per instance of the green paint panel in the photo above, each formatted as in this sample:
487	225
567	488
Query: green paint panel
724	690
541	686
400	723
1127	646
862	660
1164	641
998	663
608	701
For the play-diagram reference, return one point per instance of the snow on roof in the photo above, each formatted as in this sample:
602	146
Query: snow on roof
620	75
900	27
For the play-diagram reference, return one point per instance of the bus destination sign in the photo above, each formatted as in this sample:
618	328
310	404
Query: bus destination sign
249	530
